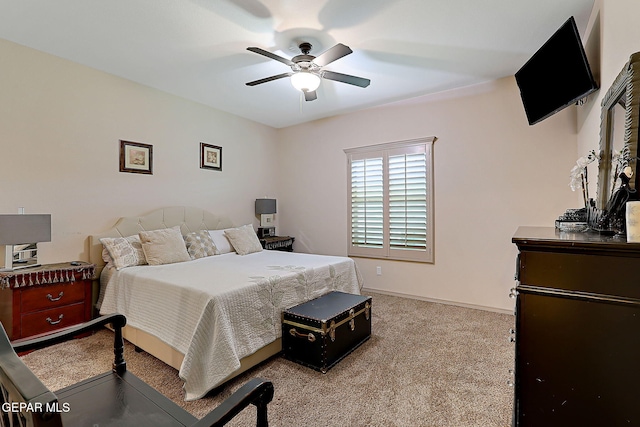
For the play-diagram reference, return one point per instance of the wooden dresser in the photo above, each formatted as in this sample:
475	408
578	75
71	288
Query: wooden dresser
577	332
40	300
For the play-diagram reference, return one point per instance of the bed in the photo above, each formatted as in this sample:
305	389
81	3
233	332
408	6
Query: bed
213	317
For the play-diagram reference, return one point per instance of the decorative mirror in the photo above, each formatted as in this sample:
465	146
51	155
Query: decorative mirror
620	118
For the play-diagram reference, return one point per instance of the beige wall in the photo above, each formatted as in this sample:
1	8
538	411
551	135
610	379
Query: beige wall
60	126
493	172
612	23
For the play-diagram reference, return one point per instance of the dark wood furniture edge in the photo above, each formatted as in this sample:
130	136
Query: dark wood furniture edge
24	381
542	238
145	390
257	391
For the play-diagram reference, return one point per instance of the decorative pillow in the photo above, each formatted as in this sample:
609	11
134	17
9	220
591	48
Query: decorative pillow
164	246
123	251
244	239
222	244
200	244
106	257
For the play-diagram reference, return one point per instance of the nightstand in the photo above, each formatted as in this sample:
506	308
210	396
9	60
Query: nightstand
278	243
40	300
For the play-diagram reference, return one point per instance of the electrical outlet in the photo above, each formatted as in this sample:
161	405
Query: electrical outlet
379	271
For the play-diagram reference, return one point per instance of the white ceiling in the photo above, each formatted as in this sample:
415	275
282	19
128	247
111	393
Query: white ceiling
197	48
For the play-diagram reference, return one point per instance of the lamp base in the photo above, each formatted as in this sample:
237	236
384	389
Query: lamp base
17	257
266	220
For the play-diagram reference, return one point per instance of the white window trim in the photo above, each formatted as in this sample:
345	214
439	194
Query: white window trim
384	252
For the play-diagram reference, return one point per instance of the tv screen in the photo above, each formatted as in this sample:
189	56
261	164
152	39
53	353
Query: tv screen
556	76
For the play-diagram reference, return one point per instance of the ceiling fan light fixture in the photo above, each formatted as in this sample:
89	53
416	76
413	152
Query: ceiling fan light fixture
305	81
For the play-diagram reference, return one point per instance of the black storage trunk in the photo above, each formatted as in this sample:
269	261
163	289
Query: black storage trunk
320	332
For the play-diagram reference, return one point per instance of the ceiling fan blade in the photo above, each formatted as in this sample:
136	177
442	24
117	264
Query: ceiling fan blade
270	55
268	79
332	54
346	78
310	95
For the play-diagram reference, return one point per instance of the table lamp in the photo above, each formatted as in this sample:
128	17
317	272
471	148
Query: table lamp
266	208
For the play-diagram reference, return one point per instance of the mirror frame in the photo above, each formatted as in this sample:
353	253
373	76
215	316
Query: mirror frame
625	87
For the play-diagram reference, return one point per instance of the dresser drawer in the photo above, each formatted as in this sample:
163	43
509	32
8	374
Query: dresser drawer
50	320
596	274
46	297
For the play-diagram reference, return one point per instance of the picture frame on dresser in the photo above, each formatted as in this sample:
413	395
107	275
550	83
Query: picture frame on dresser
136	157
210	157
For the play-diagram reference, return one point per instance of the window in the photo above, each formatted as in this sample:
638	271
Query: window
390	200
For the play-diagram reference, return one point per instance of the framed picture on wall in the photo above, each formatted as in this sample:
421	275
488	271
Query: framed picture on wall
210	157
136	157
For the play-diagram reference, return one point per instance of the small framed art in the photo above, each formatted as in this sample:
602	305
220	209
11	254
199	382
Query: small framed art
136	157
210	157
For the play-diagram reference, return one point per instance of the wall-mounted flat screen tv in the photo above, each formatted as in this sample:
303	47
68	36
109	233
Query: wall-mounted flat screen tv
556	76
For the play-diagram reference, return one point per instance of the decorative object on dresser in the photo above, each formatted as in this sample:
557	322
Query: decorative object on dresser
632	216
136	157
266	208
576	337
115	398
210	157
323	331
39	300
20	234
574	220
278	243
618	162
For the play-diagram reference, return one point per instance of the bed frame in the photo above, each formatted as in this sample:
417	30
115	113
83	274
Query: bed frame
189	219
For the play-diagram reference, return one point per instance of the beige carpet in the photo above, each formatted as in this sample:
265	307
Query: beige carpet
426	365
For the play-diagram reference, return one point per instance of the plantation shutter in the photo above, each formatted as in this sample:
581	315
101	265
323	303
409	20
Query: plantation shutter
367	204
408	201
390	201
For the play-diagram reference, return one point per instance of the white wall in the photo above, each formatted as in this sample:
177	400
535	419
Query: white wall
613	23
493	173
60	126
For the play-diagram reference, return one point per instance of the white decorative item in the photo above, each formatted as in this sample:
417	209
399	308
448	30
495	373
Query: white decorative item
579	177
633	221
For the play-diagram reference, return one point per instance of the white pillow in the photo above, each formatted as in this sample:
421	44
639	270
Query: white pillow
164	246
123	251
223	246
244	239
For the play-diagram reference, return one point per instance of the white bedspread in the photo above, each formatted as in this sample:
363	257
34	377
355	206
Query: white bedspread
219	309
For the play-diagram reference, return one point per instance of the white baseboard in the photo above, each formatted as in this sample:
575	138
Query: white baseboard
364	290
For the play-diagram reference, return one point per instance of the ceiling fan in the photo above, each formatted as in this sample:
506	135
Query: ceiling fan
306	70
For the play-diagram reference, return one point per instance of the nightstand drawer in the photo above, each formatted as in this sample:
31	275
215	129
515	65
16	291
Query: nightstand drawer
46	297
50	320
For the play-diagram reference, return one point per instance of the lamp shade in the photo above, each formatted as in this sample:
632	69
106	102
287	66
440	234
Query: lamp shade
18	229
305	81
265	206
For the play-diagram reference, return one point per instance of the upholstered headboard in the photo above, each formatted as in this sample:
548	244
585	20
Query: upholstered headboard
188	218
